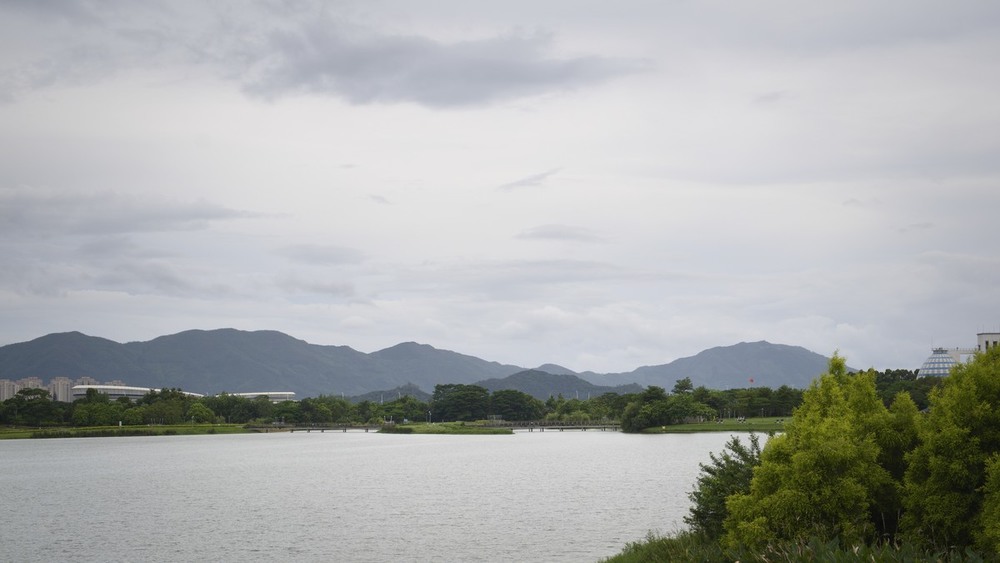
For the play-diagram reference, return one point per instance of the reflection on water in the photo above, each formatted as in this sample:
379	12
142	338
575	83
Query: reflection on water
552	496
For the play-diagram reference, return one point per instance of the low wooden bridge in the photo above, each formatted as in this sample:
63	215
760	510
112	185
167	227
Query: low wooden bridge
334	428
556	426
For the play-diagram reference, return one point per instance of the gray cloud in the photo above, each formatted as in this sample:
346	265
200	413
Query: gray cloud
363	66
272	54
561	232
114	265
528	181
120	247
507	280
317	287
922	226
319	254
851	145
29	211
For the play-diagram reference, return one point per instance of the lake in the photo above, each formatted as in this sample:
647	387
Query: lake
334	496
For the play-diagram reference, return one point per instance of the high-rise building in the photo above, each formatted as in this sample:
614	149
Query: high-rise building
31	383
8	389
61	389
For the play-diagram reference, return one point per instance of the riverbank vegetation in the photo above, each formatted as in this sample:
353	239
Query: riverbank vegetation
852	478
685	409
111	431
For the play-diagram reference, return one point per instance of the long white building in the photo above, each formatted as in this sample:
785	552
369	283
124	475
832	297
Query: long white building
115	391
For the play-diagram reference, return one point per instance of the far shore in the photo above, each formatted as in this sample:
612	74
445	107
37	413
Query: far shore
763	425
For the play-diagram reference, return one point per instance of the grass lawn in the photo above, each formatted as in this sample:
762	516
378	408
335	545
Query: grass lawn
97	431
766	424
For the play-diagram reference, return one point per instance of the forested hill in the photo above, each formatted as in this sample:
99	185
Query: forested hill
238	361
730	367
542	385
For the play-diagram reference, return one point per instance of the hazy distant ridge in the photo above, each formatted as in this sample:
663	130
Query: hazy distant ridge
231	360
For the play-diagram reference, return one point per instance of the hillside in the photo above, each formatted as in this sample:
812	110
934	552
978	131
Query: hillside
212	361
730	367
543	385
238	361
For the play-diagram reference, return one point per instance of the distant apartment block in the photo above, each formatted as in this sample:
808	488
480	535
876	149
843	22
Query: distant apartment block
67	390
59	388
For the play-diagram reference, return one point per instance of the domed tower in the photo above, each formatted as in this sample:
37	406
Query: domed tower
939	363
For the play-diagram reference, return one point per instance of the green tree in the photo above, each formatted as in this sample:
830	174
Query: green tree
946	480
134	416
288	412
989	533
231	408
682	386
515	405
164	412
32	407
822	477
200	413
99	413
95	396
366	412
406	407
729	473
612	405
784	400
653	407
455	401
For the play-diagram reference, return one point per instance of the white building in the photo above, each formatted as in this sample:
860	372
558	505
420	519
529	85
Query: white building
115	391
61	389
987	340
942	360
8	389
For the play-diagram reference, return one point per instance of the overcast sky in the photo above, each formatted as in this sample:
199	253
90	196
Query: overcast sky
602	185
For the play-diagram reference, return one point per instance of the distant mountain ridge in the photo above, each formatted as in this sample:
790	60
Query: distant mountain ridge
740	365
543	384
212	361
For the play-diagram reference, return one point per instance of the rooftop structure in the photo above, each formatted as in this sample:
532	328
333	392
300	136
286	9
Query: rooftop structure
987	340
939	363
942	360
115	391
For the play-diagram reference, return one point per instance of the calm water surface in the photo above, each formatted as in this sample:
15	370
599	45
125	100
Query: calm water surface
550	496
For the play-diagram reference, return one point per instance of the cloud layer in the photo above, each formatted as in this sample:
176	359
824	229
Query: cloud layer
600	186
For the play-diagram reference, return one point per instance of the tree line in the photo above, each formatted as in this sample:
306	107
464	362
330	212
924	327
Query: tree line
450	402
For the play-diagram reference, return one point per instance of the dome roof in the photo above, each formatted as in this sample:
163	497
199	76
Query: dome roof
939	363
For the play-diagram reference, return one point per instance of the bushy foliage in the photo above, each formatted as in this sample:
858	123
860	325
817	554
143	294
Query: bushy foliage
653	407
951	481
826	476
728	474
456	401
689	546
852	479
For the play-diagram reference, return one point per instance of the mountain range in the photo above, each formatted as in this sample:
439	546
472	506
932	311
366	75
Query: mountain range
239	361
